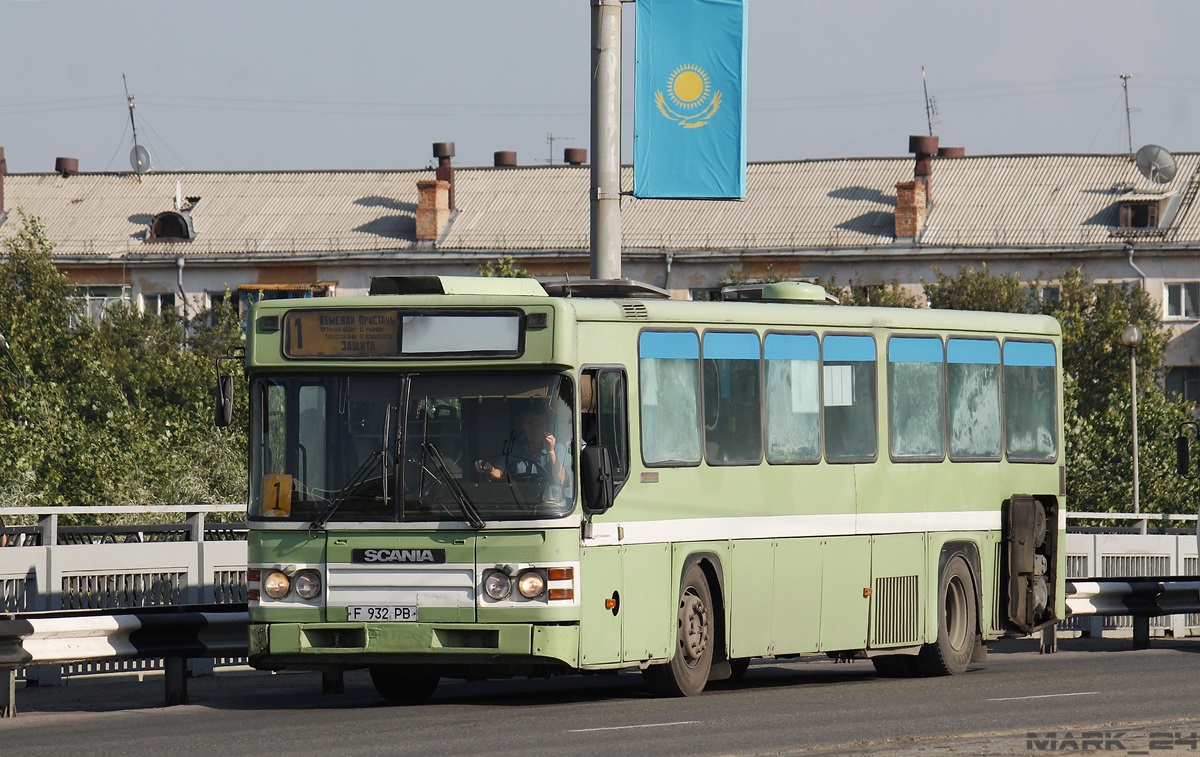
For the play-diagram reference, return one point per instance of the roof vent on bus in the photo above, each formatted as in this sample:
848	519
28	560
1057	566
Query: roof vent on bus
455	285
634	311
779	291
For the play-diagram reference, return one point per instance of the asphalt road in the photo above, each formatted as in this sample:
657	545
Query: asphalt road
1093	693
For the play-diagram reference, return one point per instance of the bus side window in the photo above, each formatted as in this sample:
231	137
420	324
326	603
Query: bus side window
604	418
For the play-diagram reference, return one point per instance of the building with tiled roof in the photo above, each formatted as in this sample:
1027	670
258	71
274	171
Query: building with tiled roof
183	239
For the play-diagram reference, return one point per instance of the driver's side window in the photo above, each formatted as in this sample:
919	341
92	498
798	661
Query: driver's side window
605	417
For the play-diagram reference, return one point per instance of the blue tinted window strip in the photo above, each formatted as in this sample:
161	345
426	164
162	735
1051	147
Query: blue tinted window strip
973	351
1029	354
790	347
849	349
913	350
678	345
726	346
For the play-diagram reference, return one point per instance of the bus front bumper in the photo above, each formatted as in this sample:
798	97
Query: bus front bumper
316	646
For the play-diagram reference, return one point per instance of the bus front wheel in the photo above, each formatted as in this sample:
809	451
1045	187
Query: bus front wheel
687	672
400	685
951	652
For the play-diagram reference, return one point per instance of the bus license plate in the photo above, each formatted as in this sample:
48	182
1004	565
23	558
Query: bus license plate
381	613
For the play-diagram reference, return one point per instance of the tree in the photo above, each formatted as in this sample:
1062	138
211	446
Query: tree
112	413
1096	391
888	295
978	289
503	267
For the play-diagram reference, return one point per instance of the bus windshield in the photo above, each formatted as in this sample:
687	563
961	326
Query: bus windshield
370	447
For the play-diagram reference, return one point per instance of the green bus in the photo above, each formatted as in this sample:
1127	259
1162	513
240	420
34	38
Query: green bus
471	478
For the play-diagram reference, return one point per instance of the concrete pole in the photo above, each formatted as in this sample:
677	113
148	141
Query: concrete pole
606	140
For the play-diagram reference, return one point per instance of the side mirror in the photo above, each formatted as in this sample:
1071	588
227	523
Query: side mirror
596	479
224	404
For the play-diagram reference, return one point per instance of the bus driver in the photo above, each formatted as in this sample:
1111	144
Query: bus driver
534	452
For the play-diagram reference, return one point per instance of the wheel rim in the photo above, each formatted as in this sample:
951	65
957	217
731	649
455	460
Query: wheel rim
956	613
694	629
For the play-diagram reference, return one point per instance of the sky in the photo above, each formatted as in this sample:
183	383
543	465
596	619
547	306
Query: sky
372	84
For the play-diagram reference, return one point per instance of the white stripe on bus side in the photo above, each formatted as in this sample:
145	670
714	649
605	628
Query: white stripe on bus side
790	526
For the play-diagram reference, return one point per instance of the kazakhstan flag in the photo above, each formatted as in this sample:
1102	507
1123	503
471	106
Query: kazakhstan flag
689	138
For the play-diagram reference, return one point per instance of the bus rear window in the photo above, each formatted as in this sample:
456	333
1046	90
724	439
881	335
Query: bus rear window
1030	398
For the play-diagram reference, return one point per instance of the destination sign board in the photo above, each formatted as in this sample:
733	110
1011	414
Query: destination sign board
389	333
341	333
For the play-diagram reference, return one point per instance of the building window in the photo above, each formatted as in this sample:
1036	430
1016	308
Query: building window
1183	382
1139	214
94	302
1182	299
1051	294
705	295
159	304
217	301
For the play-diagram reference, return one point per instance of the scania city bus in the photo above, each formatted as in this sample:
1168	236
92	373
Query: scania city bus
473	477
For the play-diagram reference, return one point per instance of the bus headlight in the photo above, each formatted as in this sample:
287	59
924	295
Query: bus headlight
498	585
531	584
277	585
308	584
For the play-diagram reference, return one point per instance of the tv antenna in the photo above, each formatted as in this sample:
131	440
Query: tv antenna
1155	163
930	103
1128	122
139	157
550	140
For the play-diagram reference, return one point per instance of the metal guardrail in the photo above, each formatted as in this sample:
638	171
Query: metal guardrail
1139	598
173	634
121	576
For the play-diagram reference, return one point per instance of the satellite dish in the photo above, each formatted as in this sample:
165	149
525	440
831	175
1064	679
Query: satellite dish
139	158
1156	164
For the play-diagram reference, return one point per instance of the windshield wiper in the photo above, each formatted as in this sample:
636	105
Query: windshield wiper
341	495
464	502
360	475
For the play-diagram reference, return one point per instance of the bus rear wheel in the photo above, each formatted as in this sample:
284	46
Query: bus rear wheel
952	651
401	685
687	672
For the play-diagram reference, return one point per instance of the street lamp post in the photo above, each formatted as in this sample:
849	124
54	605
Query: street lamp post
1131	337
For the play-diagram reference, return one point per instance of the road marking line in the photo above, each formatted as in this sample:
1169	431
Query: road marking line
1045	696
624	727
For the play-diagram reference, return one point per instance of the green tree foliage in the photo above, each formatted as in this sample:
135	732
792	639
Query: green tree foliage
978	289
1097	398
117	413
503	267
889	295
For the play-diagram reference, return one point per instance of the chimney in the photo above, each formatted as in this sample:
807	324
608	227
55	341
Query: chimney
3	173
433	209
575	156
924	148
444	151
952	152
910	209
506	159
66	166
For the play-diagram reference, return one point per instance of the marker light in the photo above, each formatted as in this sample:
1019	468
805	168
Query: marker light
497	585
531	584
277	585
308	584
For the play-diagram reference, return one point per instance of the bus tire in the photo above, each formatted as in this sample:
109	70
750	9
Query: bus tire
951	652
687	672
398	684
